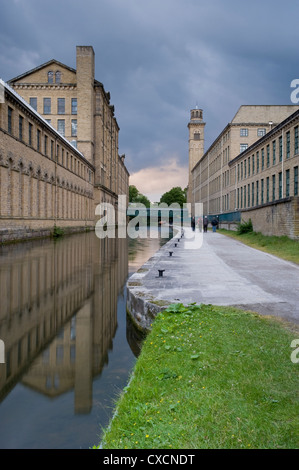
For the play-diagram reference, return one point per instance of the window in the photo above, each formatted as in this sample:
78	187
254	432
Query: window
280	148
59	354
33	103
9	120
288	137
52	149
263	159
274	151
261	132
280	185
48	121
61	126
262	191
257	193
57	76
74	143
74	127
296	140
252	194
243	147
257	162
287	183
61	106
248	191
267	188
248	166
46	145
243	132
268	156
47	105
74	105
38	133
196	135
50	76
295	181
21	120
253	164
30	134
273	188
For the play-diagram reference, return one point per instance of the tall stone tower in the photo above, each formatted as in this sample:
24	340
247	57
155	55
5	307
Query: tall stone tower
196	144
85	96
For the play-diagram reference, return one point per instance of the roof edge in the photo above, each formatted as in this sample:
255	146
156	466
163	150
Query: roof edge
39	67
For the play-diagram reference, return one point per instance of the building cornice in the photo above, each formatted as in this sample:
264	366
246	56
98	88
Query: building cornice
44	86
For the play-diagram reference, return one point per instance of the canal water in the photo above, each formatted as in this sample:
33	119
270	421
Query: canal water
69	345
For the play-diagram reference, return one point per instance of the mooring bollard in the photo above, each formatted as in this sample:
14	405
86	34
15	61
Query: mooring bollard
175	244
161	271
170	253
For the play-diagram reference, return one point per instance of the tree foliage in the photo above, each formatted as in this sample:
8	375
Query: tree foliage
136	197
175	195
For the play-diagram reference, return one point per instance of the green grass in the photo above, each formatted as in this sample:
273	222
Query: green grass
210	377
283	247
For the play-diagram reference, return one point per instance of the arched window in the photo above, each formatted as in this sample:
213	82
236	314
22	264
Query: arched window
50	76
57	76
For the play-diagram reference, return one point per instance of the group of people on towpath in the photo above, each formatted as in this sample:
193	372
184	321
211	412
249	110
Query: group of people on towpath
214	223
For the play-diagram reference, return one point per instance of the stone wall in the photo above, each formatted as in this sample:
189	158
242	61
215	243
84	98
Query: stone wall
275	218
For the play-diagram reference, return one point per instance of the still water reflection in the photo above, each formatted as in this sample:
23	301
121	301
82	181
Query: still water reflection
69	346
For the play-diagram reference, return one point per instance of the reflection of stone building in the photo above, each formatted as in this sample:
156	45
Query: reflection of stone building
59	312
59	155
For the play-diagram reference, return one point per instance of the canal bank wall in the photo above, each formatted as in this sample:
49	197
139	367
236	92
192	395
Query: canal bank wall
21	234
145	288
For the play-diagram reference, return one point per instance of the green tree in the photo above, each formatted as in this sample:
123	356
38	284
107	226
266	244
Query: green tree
133	193
136	197
176	195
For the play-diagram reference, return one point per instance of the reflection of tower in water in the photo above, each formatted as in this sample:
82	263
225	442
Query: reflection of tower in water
59	312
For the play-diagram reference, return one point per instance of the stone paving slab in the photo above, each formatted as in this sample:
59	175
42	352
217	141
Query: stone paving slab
222	271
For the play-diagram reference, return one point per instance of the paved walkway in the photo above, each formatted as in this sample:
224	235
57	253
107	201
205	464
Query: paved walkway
222	271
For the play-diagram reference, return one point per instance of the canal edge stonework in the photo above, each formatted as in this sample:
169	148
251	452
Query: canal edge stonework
142	306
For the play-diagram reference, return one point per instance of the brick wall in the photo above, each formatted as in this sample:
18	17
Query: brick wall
276	218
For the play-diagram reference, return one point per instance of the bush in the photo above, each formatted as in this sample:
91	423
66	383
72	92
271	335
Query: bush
245	227
57	232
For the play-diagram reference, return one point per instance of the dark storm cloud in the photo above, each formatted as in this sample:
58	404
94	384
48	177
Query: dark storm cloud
161	58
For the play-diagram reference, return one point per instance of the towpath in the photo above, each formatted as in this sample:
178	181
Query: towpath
220	271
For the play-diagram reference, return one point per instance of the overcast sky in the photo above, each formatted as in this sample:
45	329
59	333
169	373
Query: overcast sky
159	59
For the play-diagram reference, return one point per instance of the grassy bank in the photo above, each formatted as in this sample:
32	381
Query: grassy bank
210	377
283	247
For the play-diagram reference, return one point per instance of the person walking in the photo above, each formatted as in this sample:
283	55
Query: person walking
214	224
205	224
